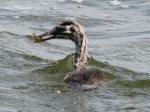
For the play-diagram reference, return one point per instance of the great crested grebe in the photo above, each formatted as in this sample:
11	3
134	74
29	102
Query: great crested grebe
74	31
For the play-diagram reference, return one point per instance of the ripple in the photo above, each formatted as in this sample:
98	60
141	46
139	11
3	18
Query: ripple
78	1
115	2
8	109
118	3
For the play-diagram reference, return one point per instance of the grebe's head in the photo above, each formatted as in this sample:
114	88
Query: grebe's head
68	29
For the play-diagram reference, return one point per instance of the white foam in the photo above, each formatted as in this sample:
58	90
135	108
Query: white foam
16	17
118	3
115	2
124	6
53	8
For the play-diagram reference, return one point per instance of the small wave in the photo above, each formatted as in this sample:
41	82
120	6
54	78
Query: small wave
7	109
78	1
43	3
61	0
22	7
118	3
115	2
70	18
16	17
17	7
6	8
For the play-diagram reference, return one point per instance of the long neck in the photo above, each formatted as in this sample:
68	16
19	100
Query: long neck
81	53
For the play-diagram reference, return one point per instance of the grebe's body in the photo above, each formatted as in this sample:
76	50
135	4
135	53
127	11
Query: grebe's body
72	30
86	78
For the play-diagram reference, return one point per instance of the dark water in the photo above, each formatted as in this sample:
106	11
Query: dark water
118	34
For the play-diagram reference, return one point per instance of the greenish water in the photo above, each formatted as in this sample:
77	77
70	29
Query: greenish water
31	83
120	82
63	66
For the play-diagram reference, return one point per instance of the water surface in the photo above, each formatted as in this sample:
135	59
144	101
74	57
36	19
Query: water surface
118	34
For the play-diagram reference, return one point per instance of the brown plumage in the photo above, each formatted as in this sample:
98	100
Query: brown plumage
72	30
86	78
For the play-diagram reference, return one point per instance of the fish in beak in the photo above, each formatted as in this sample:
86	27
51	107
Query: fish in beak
58	32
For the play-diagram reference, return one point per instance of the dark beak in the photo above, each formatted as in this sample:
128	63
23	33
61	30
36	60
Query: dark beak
57	32
43	37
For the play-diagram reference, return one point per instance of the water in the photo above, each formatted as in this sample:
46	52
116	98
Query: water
118	34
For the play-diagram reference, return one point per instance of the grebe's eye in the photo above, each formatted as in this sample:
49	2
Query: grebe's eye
57	27
72	29
60	28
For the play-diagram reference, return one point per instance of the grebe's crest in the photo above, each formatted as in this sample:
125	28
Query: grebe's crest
67	28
